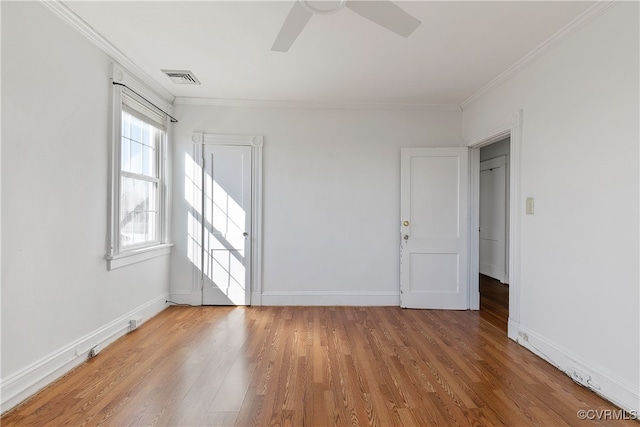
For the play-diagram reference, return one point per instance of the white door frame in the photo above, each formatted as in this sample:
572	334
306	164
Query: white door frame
256	143
512	128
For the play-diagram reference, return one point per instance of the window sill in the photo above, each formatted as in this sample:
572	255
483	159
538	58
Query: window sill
132	257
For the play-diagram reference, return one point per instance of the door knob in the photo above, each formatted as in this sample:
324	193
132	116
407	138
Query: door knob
406	223
405	237
245	234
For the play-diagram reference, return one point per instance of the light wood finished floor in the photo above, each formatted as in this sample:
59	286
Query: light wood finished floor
494	302
312	366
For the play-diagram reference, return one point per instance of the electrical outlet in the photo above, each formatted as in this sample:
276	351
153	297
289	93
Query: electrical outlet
94	351
135	322
580	377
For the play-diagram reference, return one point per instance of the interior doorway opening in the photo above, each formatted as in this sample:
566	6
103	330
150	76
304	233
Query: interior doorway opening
493	239
510	127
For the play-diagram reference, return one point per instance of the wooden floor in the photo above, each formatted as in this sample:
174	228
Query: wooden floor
312	366
494	302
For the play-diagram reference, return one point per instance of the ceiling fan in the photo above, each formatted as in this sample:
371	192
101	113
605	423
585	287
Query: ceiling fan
382	12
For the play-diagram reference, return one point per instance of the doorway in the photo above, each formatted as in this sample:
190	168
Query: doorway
229	213
494	233
510	126
493	251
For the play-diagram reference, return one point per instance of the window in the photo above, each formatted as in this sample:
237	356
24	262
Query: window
138	184
139	181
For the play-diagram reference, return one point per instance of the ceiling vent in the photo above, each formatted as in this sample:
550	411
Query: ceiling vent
182	77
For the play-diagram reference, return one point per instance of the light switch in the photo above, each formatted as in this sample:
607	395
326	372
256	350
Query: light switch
530	206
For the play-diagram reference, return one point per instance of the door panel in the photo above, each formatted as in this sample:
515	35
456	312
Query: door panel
442	270
427	201
227	225
433	260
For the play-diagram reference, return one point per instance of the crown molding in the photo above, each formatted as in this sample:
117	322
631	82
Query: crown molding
580	21
67	15
255	103
77	23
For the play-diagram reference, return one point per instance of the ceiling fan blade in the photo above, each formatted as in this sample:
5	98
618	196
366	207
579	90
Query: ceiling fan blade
292	27
387	14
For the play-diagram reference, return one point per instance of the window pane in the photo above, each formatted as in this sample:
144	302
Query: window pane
139	147
136	128
136	157
138	211
146	160
125	153
146	134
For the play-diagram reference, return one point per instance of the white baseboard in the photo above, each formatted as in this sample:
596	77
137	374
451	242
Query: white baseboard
325	298
328	298
602	382
26	382
186	297
256	298
513	328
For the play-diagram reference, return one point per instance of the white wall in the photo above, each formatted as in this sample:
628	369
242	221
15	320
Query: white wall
579	252
331	200
331	197
56	291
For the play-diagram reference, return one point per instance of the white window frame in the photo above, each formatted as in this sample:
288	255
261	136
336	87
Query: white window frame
117	255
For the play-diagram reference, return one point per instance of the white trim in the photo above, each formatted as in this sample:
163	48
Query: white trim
602	382
197	172
20	385
258	103
193	298
512	329
474	236
580	21
220	139
256	298
78	24
330	298
118	256
123	75
115	124
256	142
132	257
509	127
495	133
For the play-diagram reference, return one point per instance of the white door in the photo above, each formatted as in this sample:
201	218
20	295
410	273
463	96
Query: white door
493	218
433	229
227	225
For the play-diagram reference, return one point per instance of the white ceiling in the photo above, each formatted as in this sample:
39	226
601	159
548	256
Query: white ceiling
459	48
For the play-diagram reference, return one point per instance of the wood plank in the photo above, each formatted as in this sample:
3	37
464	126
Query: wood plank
342	366
494	302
